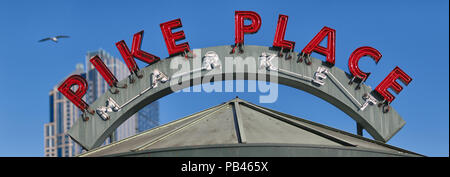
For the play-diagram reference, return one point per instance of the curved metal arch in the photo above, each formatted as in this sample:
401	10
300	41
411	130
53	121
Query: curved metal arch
158	80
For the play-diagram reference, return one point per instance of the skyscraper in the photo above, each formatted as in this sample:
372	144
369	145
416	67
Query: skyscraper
62	116
63	113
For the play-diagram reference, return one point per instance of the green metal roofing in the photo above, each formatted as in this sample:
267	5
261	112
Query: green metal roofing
240	128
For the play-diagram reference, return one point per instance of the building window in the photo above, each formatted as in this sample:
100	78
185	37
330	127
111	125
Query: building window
47	131
60	118
59	141
51	108
50	130
59	152
59	95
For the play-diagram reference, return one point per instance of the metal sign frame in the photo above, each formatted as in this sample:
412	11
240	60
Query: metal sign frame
317	78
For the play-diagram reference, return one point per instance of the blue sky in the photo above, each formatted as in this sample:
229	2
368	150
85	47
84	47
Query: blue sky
413	35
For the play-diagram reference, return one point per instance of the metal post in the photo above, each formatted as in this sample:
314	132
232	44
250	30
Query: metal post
359	129
112	137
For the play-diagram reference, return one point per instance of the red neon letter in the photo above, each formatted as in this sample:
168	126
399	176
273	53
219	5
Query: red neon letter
104	71
171	38
135	52
389	82
127	57
358	54
75	97
241	28
313	45
140	54
280	32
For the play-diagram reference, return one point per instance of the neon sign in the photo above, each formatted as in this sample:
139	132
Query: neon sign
280	44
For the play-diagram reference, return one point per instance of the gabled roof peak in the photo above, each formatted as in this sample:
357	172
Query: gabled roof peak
243	124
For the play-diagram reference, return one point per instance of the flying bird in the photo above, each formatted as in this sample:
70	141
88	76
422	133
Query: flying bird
54	39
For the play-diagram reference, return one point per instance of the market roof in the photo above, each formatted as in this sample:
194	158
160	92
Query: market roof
240	128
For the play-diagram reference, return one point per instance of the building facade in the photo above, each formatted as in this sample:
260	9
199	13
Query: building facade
63	113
